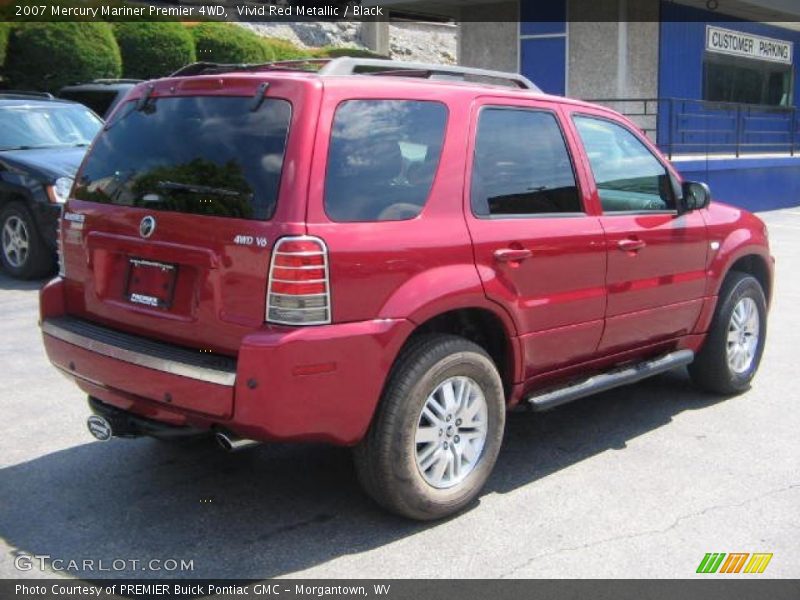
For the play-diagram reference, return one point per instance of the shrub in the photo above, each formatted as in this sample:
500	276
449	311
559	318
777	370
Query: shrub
5	30
335	52
48	56
285	50
226	43
156	49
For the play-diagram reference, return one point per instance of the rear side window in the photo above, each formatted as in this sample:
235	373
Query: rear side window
521	165
382	159
205	155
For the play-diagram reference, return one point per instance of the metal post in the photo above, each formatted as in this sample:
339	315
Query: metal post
671	125
738	127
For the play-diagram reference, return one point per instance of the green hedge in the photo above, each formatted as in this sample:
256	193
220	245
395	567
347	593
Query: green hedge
151	50
336	52
48	56
5	30
226	43
285	50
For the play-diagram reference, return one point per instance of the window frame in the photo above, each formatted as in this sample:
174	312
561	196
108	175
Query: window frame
744	62
666	166
329	147
515	216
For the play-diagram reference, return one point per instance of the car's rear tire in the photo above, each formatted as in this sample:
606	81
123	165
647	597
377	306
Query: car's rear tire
732	350
23	253
437	432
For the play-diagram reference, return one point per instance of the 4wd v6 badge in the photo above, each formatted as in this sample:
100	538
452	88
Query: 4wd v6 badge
249	240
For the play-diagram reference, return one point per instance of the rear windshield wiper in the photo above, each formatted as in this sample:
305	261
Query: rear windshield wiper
196	189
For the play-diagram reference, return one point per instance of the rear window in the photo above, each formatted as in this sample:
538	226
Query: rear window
201	155
382	160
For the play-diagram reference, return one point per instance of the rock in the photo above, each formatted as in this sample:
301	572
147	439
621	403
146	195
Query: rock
408	40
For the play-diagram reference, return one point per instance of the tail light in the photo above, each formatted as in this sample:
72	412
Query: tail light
62	272
298	291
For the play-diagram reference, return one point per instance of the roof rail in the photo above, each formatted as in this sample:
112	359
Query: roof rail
209	68
112	81
26	94
200	68
376	66
345	65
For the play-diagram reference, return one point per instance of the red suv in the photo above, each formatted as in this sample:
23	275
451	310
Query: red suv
387	256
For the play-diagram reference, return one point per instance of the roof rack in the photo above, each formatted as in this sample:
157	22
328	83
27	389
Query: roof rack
377	66
346	65
26	94
210	68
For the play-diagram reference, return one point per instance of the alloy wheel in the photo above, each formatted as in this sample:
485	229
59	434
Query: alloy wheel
451	432
16	241
743	331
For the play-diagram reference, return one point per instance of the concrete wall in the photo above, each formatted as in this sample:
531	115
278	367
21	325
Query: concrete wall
597	67
594	66
487	44
375	36
616	59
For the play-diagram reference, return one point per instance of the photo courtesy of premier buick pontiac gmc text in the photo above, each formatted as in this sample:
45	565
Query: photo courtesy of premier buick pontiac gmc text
386	256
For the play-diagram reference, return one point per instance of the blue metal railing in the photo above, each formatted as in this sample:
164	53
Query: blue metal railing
684	126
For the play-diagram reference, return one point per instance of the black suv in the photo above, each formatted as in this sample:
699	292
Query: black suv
42	143
101	95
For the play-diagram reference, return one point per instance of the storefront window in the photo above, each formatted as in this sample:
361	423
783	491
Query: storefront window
729	79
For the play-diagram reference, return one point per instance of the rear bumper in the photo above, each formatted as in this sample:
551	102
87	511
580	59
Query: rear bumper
314	383
132	365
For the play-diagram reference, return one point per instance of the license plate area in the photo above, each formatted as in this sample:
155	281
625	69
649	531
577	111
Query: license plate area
150	283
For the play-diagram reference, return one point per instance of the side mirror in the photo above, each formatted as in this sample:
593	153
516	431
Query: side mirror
696	195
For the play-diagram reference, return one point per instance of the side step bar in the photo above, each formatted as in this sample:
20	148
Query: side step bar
610	380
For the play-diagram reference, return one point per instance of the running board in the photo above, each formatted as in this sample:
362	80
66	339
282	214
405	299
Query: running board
610	380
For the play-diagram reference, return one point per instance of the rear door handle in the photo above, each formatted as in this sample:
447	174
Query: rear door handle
631	245
512	254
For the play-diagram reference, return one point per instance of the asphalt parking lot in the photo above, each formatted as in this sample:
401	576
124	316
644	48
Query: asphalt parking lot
638	482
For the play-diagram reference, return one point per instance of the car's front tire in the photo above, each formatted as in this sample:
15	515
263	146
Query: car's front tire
733	347
23	253
438	429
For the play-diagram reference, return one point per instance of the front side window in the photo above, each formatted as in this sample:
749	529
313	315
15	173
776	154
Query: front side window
628	176
206	155
382	159
521	165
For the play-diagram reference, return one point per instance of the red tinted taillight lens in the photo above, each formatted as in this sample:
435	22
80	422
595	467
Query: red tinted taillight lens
298	291
62	271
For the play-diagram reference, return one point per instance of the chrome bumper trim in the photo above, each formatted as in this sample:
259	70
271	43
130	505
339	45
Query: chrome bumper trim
173	367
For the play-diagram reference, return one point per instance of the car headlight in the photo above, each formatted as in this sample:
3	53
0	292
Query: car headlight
59	191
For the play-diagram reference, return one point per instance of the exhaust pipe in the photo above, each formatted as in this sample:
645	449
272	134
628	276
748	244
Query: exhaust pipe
104	427
99	427
233	443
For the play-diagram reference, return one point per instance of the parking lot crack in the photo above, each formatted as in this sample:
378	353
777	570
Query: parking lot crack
637	534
